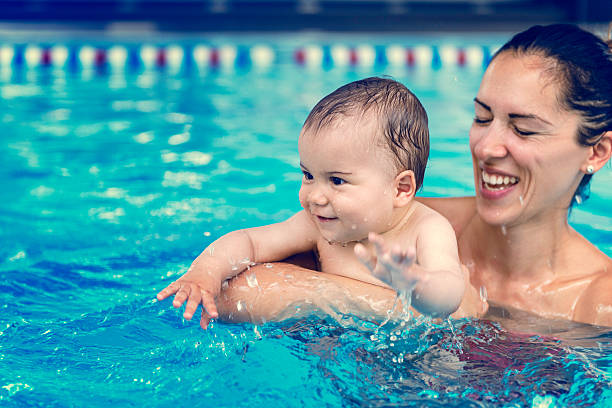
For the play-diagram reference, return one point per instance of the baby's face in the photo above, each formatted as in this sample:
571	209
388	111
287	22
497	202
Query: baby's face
349	180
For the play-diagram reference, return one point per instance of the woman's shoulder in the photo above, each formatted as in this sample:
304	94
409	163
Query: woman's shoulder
595	303
457	210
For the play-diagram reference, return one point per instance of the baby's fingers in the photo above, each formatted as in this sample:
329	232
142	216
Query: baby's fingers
403	257
168	290
365	257
181	295
192	304
208	301
204	319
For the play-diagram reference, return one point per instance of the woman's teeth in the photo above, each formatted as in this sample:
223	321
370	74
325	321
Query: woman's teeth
498	182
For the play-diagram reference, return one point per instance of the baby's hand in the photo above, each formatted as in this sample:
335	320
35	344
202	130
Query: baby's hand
394	266
196	287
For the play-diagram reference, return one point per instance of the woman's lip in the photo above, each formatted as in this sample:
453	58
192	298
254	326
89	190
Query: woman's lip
497	193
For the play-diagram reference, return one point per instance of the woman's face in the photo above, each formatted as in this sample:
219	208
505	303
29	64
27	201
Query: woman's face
527	161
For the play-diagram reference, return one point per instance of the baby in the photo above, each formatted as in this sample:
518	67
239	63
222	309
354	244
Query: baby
363	151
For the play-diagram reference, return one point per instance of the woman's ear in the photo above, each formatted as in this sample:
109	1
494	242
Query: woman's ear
405	188
600	154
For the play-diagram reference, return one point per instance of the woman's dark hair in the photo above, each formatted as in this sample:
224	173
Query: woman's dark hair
581	63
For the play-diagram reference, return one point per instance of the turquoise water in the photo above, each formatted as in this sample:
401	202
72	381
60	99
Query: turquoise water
113	182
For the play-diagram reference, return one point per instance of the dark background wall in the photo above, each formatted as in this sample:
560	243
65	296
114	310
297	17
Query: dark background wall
333	15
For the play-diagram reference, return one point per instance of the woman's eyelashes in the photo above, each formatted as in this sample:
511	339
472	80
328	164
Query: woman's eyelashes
485	121
481	121
521	132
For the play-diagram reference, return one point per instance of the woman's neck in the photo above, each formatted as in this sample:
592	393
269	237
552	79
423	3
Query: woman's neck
529	251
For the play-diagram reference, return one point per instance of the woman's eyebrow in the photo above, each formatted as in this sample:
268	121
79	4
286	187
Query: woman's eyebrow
530	116
481	103
514	115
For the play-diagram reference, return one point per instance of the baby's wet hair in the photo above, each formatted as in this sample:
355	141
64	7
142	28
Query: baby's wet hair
400	116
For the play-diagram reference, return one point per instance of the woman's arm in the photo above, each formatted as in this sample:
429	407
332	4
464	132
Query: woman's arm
279	291
274	292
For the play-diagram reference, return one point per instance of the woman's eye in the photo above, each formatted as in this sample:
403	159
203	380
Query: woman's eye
337	180
523	132
481	121
307	175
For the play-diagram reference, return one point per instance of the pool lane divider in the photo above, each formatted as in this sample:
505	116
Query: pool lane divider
176	57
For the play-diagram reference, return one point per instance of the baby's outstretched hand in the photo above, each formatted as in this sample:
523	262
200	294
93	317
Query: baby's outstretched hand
393	265
190	288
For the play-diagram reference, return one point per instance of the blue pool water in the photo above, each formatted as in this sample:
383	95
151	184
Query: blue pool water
113	181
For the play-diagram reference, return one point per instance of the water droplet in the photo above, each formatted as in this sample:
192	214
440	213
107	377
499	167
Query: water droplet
268	265
354	227
239	305
578	199
521	199
225	285
252	280
503	229
483	294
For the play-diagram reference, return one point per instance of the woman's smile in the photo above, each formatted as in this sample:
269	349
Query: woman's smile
496	185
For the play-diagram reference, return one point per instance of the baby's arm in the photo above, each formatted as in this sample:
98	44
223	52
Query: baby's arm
230	255
440	291
432	270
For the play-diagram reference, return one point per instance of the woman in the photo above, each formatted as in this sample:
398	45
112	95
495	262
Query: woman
542	129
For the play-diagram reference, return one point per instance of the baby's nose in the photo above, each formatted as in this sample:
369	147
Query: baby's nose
318	197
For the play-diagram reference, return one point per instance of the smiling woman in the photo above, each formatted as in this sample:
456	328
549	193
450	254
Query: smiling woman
542	128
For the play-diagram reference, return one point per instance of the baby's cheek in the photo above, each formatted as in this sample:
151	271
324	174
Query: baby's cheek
302	198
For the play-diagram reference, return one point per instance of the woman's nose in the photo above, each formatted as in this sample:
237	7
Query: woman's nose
490	143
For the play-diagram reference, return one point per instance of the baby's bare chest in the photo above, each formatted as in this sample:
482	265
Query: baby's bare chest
341	260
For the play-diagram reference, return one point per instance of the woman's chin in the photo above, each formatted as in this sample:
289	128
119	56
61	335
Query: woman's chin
495	215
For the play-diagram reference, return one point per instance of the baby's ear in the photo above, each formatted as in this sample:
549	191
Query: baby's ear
405	188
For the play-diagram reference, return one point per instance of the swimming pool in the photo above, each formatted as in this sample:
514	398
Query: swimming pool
120	167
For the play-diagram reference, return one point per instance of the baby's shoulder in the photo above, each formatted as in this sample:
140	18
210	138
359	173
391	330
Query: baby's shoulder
426	217
427	222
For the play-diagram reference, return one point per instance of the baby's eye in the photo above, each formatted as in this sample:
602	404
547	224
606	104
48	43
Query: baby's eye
307	175
337	180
